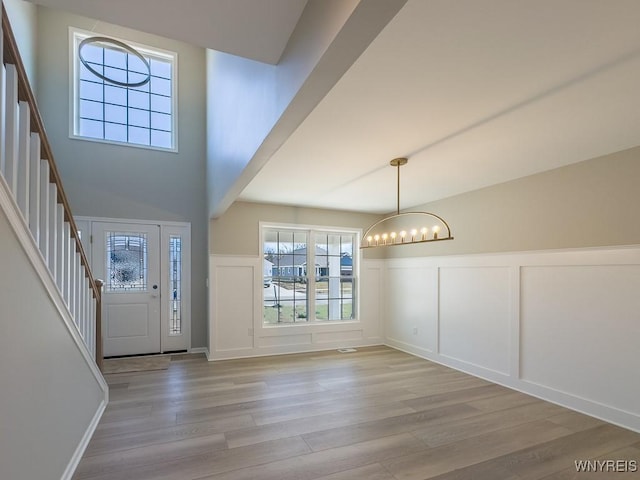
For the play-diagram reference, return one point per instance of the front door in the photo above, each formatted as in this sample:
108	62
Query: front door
126	256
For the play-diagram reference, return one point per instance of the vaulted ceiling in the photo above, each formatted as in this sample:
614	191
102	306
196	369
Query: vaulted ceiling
474	92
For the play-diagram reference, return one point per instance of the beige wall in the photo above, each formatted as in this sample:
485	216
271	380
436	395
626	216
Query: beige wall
236	232
587	204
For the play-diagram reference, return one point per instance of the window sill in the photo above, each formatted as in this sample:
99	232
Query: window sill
123	144
320	324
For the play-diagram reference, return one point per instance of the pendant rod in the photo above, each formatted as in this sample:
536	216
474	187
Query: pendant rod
398	191
398	162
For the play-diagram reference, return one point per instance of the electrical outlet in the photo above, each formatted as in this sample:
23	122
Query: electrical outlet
415	330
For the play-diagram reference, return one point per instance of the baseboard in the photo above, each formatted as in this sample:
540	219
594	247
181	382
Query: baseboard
84	442
585	406
270	352
204	350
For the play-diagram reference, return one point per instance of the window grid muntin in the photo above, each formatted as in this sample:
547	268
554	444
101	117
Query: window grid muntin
289	278
345	297
162	68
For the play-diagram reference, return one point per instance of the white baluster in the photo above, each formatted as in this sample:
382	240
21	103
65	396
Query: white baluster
79	291
44	210
92	324
73	272
24	159
78	310
87	318
11	127
66	283
60	253
83	309
85	302
83	318
34	187
53	203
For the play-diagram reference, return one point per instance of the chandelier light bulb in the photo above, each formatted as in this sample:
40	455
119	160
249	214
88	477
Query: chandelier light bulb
406	227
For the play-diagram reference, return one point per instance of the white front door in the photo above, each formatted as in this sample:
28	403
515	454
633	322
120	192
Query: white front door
133	257
127	257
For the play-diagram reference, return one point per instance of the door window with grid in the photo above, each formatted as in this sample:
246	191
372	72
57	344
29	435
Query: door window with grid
118	97
309	275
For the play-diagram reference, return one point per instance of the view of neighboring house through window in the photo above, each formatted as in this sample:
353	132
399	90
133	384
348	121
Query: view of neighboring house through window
309	275
114	108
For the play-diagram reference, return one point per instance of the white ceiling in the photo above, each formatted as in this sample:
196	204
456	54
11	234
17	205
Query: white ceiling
474	93
253	29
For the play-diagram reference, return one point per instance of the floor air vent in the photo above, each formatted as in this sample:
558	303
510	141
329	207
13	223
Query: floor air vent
347	350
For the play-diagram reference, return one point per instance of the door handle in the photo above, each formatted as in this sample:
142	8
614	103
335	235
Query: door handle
155	292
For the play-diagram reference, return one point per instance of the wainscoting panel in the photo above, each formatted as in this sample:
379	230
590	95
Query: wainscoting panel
562	325
332	337
285	340
580	330
371	305
233	308
415	322
474	316
236	329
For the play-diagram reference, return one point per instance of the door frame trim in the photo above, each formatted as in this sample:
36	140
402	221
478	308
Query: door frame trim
166	228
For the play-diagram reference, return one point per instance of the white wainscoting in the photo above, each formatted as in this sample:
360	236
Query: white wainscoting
560	325
474	316
236	329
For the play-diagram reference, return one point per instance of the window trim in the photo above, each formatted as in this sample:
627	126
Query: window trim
74	88
311	230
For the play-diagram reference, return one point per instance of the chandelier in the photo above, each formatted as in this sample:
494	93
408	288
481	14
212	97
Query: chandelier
407	227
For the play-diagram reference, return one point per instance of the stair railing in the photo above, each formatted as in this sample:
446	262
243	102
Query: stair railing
29	170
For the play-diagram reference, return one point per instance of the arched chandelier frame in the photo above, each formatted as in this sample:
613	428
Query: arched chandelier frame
419	230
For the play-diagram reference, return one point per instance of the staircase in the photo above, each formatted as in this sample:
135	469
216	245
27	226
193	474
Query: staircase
30	179
52	392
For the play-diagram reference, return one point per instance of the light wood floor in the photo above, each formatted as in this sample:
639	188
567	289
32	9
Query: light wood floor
377	414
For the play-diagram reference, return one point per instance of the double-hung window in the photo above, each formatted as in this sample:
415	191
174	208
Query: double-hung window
310	275
123	92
